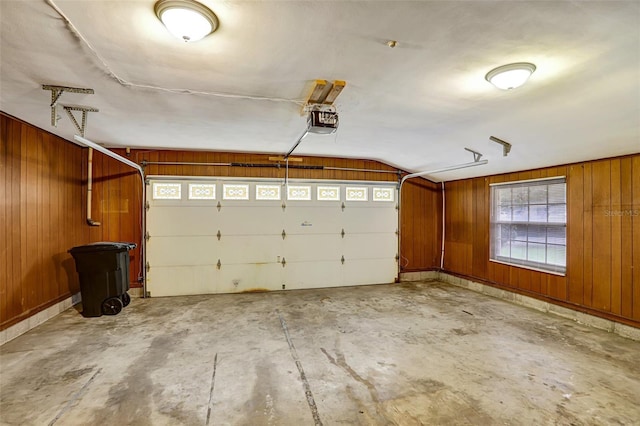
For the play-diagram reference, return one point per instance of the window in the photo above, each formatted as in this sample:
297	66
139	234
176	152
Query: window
357	193
167	191
235	192
298	192
328	193
267	192
529	224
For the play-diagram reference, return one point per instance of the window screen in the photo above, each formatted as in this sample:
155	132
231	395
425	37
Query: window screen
529	224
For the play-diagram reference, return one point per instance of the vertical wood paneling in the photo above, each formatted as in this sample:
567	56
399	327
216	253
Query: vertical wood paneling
481	211
536	282
37	208
601	178
112	197
603	236
27	217
15	220
587	232
627	240
420	204
557	287
635	213
513	277
406	228
40	194
524	278
439	202
48	182
5	214
57	211
616	238
575	236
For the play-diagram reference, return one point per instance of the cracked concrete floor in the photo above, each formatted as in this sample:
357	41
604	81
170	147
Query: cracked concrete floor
409	354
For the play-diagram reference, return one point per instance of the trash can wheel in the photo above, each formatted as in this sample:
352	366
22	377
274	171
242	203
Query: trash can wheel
126	299
112	306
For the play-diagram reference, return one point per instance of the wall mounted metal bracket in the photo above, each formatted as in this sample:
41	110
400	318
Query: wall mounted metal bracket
476	155
84	110
56	92
506	146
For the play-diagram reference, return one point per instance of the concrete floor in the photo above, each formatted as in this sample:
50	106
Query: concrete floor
410	354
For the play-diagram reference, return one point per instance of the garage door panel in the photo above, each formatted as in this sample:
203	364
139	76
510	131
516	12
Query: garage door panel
312	247
250	277
370	246
184	246
369	271
251	220
317	274
185	220
182	280
202	251
250	249
315	218
358	220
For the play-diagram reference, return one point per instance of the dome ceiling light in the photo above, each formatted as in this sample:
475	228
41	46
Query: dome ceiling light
510	76
187	20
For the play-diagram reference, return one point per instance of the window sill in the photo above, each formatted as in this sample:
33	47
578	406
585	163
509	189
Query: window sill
531	268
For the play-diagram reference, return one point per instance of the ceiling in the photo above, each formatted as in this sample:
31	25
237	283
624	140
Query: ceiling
415	106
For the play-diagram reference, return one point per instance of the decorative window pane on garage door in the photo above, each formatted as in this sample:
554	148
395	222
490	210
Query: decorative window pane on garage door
244	241
357	193
201	191
299	193
167	191
328	193
383	194
235	192
529	224
267	192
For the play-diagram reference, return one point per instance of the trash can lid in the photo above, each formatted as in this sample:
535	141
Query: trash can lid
103	246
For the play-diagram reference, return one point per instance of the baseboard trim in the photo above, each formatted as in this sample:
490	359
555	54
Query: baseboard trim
136	292
419	276
33	321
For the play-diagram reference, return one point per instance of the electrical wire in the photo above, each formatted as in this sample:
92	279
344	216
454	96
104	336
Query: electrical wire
74	30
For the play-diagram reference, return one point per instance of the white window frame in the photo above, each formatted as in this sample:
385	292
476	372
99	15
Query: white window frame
516	238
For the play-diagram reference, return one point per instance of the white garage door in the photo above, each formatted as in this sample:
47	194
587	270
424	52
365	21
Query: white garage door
227	236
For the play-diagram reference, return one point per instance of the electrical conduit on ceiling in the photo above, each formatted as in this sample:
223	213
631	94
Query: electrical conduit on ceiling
417	174
72	28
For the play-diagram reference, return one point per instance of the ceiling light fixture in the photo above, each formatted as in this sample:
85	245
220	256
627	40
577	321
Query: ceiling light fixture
187	20
510	76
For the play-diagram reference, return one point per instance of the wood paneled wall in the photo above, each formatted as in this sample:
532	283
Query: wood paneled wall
117	193
41	217
421	222
43	211
603	238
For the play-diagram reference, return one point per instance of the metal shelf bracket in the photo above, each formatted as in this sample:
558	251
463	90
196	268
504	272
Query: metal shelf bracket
56	92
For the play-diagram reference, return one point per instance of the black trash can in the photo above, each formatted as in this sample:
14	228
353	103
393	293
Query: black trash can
103	269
